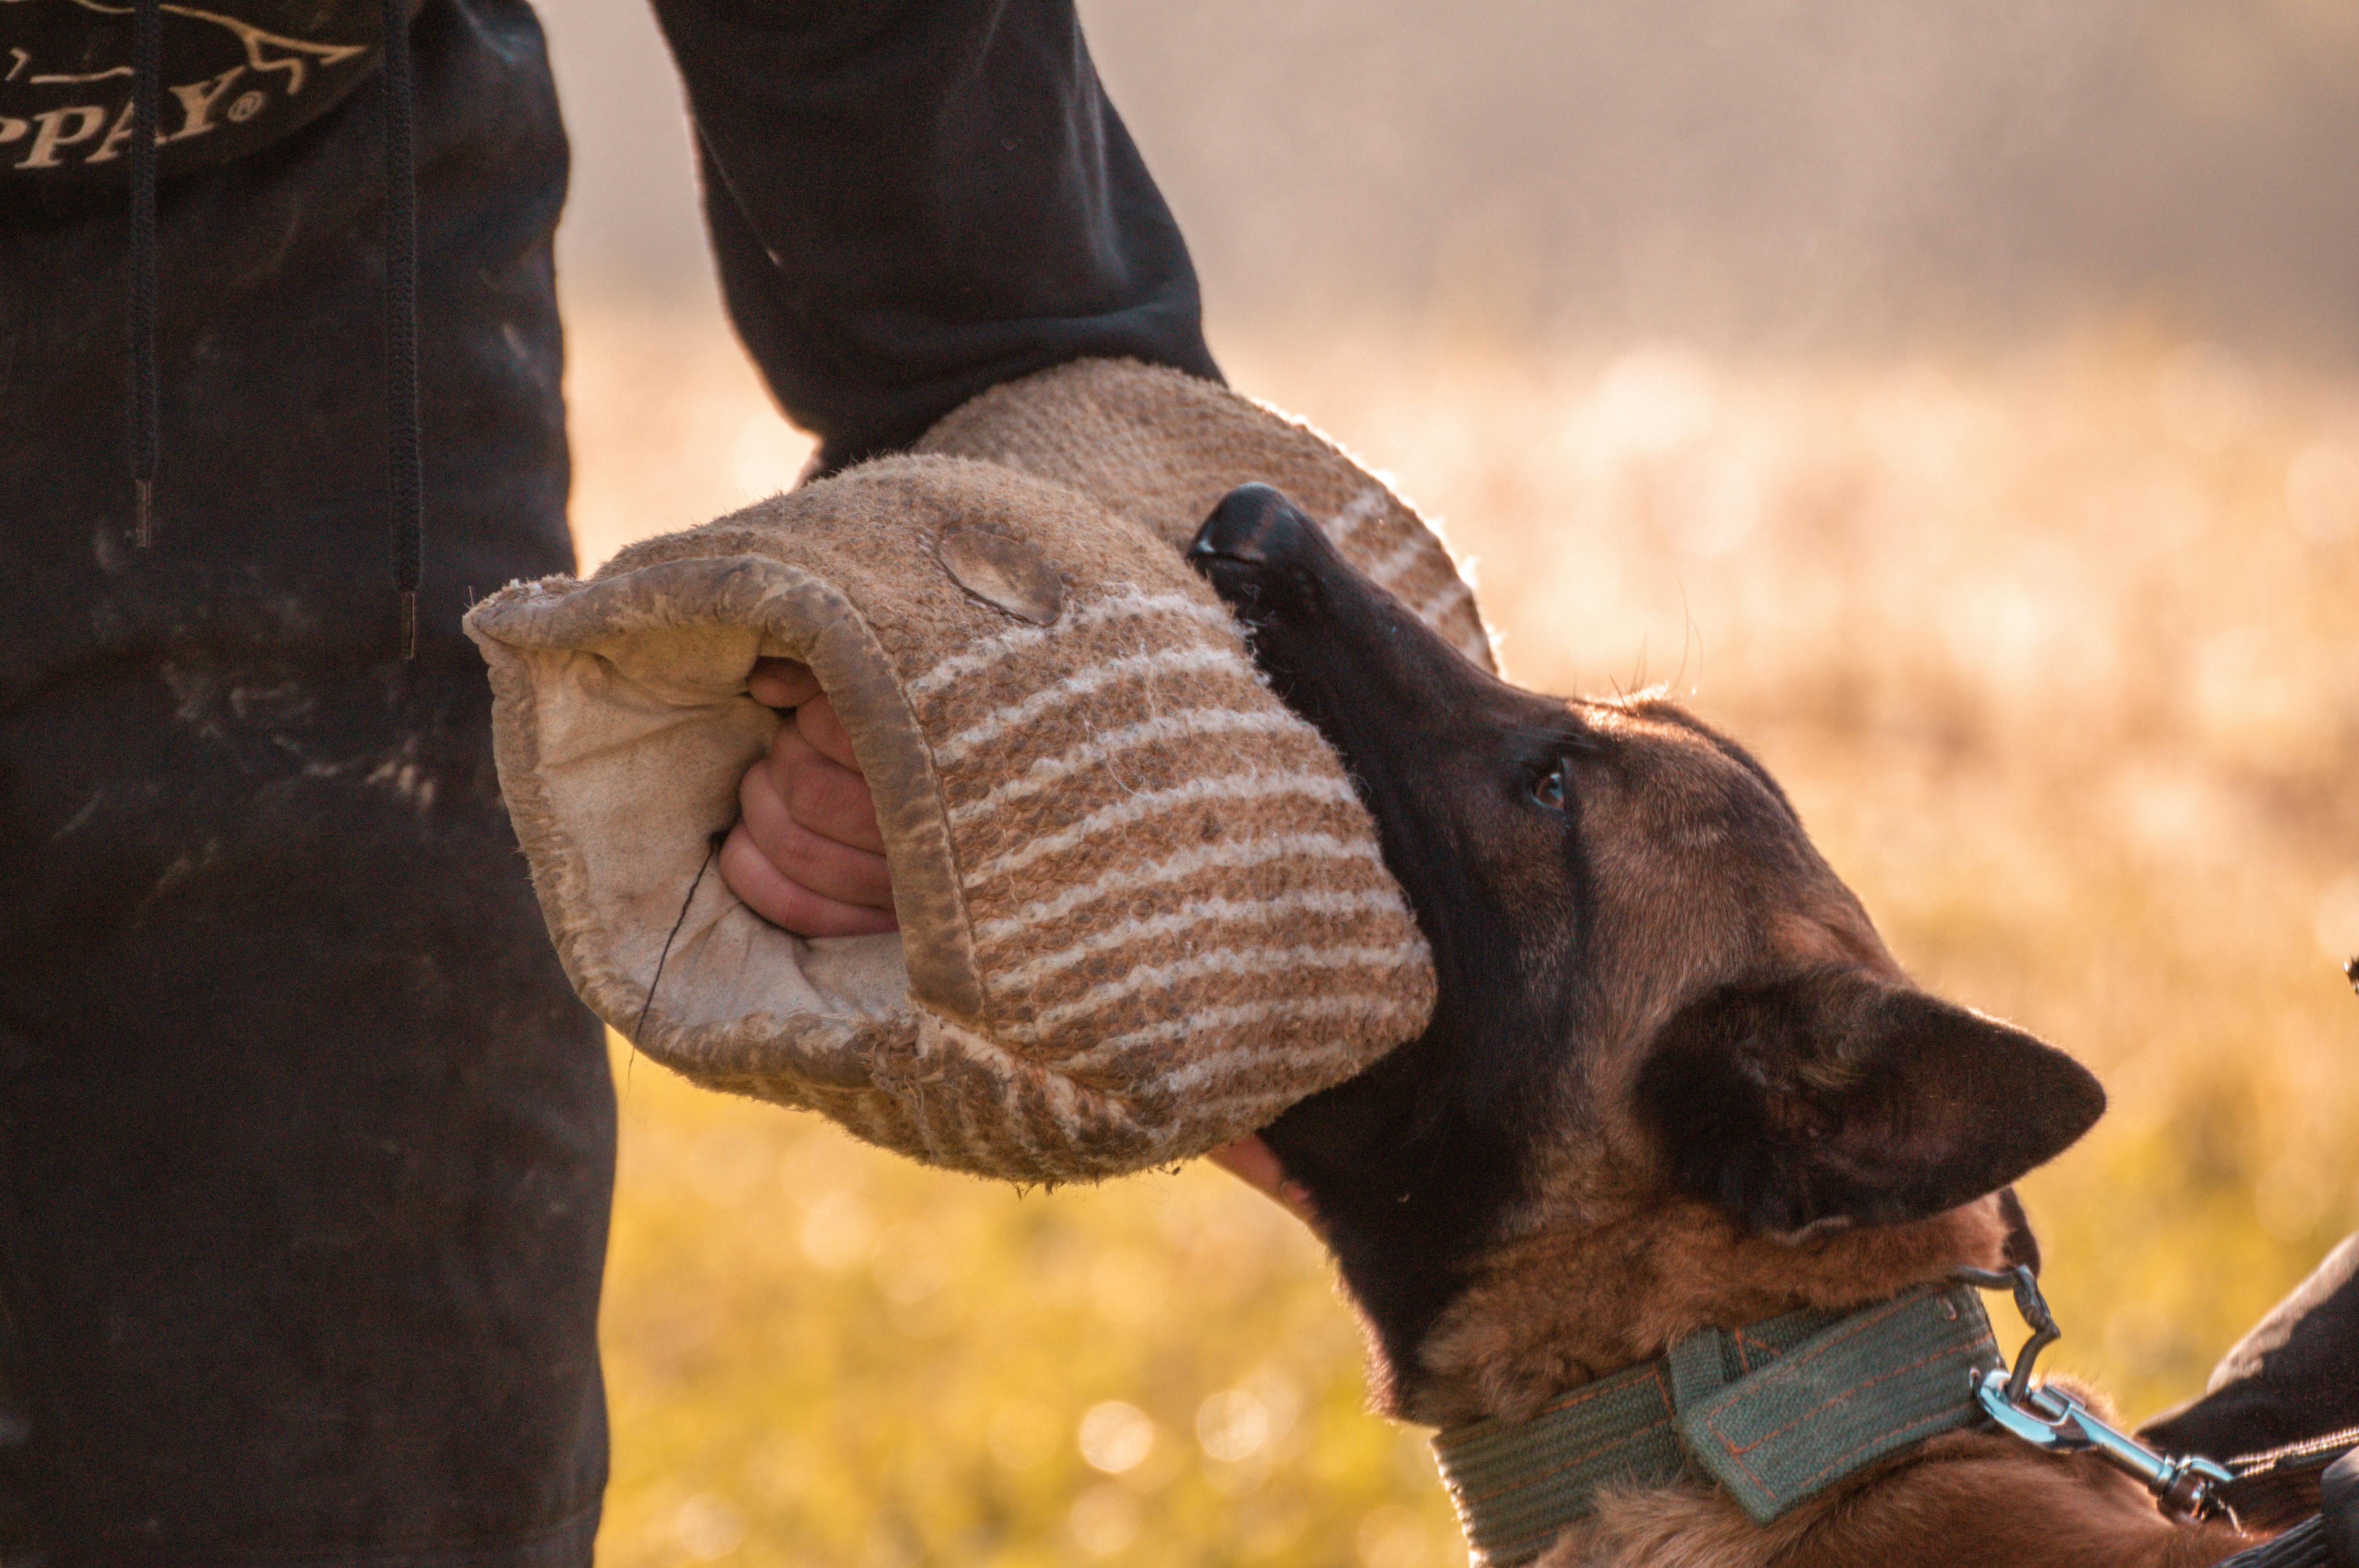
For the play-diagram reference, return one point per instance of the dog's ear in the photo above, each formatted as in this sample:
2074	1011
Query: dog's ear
1831	1097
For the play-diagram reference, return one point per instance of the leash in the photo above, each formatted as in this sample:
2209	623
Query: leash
2190	1487
2187	1487
2054	1421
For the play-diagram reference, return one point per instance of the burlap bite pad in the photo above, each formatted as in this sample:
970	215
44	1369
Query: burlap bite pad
1141	910
1161	447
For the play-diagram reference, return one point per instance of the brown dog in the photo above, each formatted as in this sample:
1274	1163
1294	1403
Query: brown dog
1675	1082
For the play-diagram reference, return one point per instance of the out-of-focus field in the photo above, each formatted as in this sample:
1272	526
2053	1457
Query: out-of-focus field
2057	654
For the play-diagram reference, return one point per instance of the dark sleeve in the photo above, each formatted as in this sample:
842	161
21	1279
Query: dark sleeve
912	201
2294	1377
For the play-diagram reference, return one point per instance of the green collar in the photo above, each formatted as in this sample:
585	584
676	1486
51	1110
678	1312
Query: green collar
1774	1412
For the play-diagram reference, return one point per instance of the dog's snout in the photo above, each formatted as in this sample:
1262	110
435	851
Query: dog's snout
1257	526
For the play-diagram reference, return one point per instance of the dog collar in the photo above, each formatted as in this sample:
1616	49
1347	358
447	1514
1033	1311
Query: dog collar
1774	1412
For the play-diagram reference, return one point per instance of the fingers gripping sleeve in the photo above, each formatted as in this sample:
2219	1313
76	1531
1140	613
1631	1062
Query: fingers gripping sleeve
911	202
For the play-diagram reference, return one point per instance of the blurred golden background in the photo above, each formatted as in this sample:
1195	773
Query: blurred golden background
1961	407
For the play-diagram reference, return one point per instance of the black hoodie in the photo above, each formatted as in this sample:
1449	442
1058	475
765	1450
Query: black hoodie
307	1144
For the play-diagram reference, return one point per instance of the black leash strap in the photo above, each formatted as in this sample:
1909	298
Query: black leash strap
403	439
2277	1486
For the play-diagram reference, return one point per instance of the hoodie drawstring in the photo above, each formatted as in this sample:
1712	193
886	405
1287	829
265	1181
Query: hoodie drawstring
403	439
147	95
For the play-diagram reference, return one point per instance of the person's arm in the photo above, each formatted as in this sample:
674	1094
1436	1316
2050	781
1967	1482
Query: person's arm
911	202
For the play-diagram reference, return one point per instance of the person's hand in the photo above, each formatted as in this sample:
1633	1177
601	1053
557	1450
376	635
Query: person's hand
806	853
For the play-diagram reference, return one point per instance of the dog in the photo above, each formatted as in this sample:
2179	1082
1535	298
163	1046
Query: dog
1674	1083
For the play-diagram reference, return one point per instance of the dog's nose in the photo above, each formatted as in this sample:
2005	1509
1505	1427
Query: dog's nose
1255	525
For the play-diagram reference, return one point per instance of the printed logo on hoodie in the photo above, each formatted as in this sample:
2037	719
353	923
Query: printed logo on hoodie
238	74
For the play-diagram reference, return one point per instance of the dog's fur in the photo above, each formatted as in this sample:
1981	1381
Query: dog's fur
1675	1079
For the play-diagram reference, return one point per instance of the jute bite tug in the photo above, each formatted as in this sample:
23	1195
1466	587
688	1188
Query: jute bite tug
1141	909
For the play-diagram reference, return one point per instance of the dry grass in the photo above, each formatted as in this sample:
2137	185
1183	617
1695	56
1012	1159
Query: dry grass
2057	652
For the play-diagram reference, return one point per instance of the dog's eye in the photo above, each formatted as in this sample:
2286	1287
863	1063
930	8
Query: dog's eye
1549	787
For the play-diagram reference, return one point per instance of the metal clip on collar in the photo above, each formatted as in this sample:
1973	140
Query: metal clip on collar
2049	1418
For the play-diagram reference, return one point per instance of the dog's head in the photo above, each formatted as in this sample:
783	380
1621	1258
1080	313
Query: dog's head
1655	998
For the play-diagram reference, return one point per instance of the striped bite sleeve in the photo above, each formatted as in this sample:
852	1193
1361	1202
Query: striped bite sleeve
1142	911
